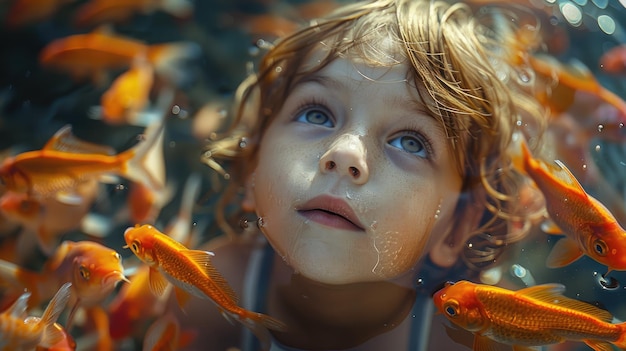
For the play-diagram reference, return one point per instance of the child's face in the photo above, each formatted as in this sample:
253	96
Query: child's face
354	176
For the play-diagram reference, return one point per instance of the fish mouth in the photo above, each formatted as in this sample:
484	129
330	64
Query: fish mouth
112	278
332	212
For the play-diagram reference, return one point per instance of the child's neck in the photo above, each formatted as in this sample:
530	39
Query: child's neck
323	316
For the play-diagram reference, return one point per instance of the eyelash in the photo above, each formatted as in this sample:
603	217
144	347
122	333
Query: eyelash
312	103
421	137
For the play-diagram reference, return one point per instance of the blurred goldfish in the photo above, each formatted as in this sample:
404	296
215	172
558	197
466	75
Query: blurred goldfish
165	334
49	172
614	60
94	271
191	272
589	226
97	12
20	332
26	12
129	95
48	219
568	79
91	55
538	315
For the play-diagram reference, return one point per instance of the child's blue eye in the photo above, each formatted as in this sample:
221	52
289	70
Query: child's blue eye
411	144
315	116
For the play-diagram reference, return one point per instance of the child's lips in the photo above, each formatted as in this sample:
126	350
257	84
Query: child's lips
332	212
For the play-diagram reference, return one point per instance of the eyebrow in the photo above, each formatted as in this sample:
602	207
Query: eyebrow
414	105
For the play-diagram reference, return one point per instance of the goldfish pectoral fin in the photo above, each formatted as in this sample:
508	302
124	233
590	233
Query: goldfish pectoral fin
483	343
52	334
182	297
158	283
565	175
564	252
549	227
61	134
203	259
599	345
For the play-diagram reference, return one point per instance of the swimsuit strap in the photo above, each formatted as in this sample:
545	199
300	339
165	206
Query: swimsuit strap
255	288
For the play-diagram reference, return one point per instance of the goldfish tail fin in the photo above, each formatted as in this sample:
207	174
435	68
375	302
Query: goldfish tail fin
171	60
259	324
144	163
52	334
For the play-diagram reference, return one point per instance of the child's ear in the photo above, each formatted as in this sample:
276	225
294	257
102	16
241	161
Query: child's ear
249	203
448	248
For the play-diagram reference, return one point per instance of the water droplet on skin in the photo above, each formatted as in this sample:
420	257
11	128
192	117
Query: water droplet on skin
260	222
374	225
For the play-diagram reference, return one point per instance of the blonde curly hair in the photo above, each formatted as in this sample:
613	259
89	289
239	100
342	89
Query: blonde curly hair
463	64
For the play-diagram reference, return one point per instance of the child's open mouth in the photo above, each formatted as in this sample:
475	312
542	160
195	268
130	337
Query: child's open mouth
332	212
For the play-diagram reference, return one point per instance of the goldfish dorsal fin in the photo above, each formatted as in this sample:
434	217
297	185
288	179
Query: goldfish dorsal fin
203	259
553	294
564	174
158	283
564	252
65	141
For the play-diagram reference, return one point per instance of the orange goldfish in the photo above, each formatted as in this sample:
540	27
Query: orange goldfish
19	332
91	55
25	12
191	271
129	95
572	77
614	60
134	301
538	315
94	271
589	226
50	172
97	12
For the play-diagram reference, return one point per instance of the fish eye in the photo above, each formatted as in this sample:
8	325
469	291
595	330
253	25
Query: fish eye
600	247
451	308
134	246
84	272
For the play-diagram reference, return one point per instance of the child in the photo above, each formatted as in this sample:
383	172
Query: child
372	148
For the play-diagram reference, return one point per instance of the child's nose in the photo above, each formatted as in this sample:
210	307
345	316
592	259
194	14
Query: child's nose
347	156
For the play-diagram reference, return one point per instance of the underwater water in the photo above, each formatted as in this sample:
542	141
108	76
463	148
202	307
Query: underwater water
222	41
